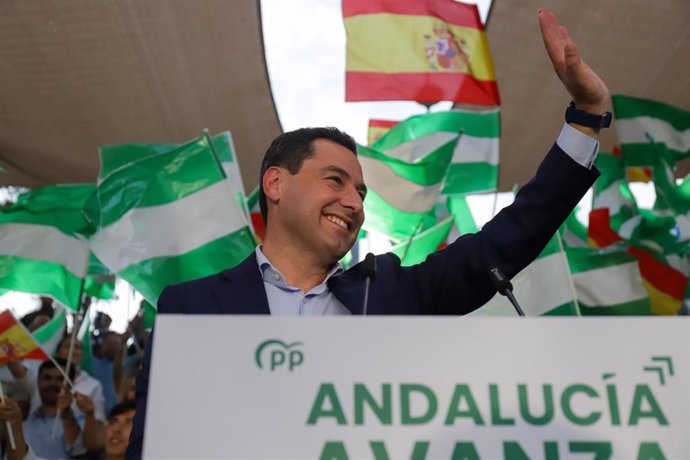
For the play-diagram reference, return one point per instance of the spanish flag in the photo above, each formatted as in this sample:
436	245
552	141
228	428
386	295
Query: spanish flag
420	50
16	342
599	233
664	284
377	128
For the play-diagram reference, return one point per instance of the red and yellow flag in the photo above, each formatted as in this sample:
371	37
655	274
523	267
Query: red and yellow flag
664	284
378	128
419	50
16	342
599	232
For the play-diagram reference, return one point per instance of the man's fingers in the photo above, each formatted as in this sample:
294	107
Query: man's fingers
553	37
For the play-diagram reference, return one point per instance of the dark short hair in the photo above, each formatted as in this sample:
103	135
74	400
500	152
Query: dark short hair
121	408
289	150
51	365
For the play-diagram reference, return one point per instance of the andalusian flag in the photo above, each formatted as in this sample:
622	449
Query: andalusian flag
168	218
459	209
116	156
377	128
416	249
638	119
608	282
40	250
543	288
611	190
574	232
425	51
50	334
664	284
99	282
16	342
404	182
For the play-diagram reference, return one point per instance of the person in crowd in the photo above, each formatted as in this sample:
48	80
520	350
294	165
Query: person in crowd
73	437
38	318
311	195
118	429
11	412
107	366
128	386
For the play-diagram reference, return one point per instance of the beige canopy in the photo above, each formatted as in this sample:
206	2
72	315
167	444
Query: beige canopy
77	74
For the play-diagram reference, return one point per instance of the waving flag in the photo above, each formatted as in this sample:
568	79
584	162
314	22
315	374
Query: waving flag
425	51
639	119
16	342
608	282
377	128
404	183
416	249
168	218
40	249
474	165
50	334
543	288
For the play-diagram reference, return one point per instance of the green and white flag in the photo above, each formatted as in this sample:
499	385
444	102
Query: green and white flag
404	183
50	334
41	251
416	249
99	282
543	288
636	119
474	166
573	232
116	156
168	218
459	209
611	190
608	282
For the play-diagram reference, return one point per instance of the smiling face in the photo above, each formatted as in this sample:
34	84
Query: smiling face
49	384
318	210
117	434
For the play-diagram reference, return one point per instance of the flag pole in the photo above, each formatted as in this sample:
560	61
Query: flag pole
59	368
8	425
75	326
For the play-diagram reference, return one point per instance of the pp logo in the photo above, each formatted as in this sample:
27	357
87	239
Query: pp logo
274	353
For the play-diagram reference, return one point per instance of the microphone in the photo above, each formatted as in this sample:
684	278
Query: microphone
368	271
504	287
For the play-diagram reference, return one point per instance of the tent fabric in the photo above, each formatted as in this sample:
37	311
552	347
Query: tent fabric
639	47
79	74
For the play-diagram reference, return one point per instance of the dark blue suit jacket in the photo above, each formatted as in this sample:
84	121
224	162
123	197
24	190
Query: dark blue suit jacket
453	281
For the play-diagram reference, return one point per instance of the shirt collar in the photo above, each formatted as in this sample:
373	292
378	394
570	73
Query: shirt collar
272	275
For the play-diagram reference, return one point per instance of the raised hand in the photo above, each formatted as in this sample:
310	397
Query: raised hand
10	411
587	89
84	403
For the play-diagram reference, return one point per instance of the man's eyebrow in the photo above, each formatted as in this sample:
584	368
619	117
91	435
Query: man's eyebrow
336	169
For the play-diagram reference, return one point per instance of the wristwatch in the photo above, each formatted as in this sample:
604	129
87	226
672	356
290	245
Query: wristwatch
573	115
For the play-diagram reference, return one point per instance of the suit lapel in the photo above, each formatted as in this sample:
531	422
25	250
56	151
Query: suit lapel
242	291
348	288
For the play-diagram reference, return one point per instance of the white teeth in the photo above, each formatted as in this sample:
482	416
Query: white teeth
337	221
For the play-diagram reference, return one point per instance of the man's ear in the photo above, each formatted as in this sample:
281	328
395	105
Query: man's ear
273	178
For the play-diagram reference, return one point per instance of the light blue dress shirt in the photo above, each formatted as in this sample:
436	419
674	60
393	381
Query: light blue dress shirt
287	300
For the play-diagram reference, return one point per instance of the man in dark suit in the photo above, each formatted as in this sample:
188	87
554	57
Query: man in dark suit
312	199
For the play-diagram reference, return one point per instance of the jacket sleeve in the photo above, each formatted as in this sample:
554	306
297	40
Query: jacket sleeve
456	281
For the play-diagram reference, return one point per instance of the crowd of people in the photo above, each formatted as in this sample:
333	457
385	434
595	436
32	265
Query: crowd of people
55	410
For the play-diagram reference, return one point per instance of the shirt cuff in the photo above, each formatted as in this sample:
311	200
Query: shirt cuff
578	146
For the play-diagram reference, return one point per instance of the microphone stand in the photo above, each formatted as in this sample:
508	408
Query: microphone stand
504	287
368	271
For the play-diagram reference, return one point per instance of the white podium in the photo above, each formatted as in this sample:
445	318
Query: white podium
244	387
